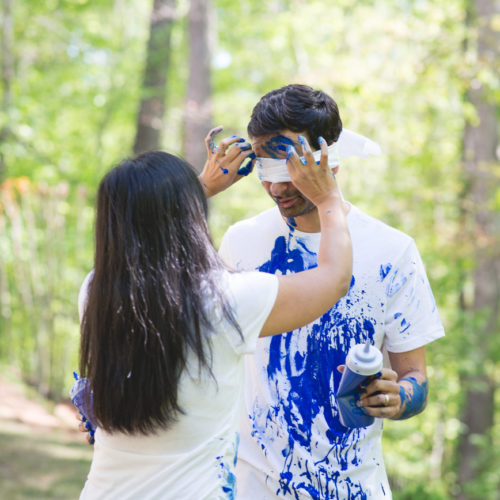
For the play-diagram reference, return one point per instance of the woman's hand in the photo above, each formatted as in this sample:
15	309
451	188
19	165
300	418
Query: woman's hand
83	426
224	164
315	181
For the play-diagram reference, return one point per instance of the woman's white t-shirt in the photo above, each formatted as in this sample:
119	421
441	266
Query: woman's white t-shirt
195	457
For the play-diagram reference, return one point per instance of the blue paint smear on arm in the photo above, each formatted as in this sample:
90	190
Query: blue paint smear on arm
414	400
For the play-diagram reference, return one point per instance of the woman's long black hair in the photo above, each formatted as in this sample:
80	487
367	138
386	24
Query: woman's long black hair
146	306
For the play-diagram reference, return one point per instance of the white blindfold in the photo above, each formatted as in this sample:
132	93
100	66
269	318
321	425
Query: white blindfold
348	144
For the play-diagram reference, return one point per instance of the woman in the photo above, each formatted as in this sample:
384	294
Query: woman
165	326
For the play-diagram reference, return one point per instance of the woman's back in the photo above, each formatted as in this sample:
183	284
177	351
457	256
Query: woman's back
195	456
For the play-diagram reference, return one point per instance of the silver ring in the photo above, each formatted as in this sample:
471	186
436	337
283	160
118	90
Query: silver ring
387	400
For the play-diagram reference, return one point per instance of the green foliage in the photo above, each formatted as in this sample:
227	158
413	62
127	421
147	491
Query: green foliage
46	249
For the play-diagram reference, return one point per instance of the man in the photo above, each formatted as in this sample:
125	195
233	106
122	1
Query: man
293	444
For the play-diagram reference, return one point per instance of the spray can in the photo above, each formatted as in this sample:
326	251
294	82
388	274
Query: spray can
79	397
363	362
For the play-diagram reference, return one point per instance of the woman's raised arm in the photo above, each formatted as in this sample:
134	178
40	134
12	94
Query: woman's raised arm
305	296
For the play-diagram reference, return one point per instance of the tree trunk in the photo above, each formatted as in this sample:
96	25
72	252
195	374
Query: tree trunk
480	156
154	88
198	107
6	76
7	73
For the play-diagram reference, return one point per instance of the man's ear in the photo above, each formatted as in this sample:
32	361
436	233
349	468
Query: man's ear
335	170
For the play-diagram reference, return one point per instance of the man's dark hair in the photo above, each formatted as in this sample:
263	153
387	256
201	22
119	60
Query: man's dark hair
155	271
298	108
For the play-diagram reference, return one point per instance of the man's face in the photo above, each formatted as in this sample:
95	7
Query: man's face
289	199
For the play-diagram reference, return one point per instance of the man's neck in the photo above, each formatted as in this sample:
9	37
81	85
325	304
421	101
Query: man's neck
309	223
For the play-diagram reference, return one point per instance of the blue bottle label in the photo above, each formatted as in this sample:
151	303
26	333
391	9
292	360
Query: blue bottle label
348	394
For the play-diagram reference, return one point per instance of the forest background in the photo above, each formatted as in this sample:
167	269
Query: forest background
85	83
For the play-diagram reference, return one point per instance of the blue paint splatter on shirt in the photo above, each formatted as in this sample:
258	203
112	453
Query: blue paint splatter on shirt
395	283
303	377
226	471
404	325
384	271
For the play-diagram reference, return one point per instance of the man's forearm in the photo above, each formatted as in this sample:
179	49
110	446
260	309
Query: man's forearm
413	391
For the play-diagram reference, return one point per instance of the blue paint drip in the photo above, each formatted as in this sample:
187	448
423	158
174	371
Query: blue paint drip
226	473
224	170
384	270
236	446
404	325
415	400
310	379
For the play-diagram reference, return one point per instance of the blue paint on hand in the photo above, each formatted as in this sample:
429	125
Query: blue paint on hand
247	166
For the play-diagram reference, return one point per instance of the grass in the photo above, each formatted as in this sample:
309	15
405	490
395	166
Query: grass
36	464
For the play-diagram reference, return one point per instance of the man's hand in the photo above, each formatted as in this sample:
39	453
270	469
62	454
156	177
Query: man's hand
400	393
380	397
224	164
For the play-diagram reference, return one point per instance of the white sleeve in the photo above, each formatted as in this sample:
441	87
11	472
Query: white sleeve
83	294
225	253
253	295
412	319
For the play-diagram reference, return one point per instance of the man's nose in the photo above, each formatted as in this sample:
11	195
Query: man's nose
279	189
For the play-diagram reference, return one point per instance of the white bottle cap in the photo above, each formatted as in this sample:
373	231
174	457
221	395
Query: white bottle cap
364	359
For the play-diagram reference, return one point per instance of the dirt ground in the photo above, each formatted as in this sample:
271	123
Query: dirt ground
42	453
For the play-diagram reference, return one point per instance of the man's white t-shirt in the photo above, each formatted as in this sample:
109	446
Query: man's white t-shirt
195	457
292	442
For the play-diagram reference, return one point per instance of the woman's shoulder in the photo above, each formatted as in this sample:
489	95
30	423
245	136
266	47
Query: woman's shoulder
248	284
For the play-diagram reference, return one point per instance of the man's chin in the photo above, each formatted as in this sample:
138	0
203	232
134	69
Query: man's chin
293	212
